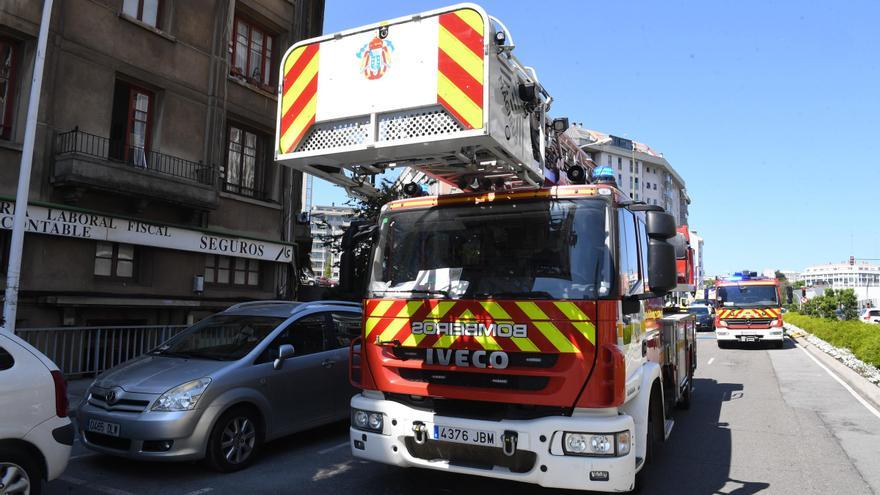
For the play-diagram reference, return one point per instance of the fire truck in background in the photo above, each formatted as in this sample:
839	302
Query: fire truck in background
514	330
748	309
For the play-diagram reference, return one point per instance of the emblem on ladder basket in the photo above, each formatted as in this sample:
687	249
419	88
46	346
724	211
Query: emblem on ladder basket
375	56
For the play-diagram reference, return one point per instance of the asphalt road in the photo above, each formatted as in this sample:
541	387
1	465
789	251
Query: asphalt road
762	421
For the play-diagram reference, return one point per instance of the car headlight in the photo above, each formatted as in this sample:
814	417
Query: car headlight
597	444
367	420
182	397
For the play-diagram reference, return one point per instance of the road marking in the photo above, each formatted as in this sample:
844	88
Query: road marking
711	360
200	491
331	449
97	488
849	389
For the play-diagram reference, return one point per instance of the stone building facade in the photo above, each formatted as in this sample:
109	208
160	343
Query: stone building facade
154	196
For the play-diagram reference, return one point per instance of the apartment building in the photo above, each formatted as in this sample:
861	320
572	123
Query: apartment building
154	195
642	173
328	223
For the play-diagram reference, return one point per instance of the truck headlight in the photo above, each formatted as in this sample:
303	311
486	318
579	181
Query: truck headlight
182	397
597	444
367	420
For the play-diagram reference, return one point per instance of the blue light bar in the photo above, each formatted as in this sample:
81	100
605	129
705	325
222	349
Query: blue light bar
603	172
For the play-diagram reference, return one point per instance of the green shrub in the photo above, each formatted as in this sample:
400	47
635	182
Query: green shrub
863	339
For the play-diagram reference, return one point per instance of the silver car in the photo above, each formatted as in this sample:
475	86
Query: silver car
225	385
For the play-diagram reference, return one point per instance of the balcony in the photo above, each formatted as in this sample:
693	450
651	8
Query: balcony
90	161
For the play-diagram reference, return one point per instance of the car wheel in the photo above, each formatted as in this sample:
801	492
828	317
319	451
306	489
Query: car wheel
19	473
235	440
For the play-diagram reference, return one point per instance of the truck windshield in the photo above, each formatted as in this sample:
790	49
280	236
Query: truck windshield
554	249
748	295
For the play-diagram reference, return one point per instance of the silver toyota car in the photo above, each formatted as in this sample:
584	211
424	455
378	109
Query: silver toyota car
225	385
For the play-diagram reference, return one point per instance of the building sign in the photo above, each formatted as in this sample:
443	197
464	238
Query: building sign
85	225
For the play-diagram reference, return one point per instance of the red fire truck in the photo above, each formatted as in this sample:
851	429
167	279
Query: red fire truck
748	309
514	330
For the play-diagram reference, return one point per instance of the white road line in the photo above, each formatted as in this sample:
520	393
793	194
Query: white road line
331	449
200	491
711	360
849	389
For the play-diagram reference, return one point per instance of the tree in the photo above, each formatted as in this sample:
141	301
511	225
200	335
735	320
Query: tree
366	215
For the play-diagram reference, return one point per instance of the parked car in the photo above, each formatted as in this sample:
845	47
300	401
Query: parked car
229	383
704	316
35	433
871	315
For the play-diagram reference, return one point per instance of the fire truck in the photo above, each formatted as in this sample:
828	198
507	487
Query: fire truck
748	309
513	330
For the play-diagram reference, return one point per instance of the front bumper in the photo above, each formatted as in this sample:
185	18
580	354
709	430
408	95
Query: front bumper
770	334
139	432
539	440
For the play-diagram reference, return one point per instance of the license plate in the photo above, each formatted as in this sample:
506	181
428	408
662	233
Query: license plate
466	436
104	427
750	339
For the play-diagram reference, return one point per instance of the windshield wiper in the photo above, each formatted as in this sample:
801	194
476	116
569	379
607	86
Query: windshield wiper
516	295
444	293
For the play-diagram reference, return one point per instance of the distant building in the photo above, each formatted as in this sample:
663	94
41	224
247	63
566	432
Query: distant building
699	270
326	221
862	277
642	173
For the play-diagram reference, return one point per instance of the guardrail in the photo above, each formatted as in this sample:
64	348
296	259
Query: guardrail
80	351
77	141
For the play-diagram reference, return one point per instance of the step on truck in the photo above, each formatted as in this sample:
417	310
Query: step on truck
514	330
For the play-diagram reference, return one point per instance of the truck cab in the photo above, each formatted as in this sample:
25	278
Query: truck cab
748	310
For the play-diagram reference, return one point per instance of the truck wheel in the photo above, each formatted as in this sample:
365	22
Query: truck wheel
779	344
685	402
19	472
235	440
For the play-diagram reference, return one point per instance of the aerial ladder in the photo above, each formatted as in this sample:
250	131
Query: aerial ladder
439	92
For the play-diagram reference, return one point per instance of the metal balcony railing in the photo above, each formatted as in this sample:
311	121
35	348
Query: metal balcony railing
80	351
77	141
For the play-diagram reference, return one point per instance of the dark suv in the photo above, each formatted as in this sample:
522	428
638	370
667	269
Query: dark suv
705	318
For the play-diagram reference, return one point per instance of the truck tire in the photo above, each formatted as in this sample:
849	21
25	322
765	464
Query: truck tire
685	402
779	344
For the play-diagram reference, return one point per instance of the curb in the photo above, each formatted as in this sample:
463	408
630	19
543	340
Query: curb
865	389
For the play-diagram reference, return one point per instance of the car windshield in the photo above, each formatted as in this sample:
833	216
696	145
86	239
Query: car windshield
220	337
748	295
555	249
698	311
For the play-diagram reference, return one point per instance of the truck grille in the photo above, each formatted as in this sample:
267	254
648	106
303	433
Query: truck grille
471	456
745	322
465	379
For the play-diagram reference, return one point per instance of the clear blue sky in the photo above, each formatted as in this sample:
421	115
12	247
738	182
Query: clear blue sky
770	111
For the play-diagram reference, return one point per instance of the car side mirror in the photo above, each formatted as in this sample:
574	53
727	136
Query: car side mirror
284	352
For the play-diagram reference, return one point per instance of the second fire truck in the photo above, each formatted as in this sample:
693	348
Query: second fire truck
748	309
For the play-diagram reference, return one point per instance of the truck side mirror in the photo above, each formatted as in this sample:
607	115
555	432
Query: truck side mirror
661	266
789	294
659	224
286	351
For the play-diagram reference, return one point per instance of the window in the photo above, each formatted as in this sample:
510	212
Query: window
146	11
114	260
609	159
619	163
6	360
7	86
251	52
132	119
346	327
5	238
628	258
630	166
226	270
643	248
655	186
247	158
306	335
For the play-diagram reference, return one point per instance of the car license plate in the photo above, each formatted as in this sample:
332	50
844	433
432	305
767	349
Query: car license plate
465	435
749	339
104	427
